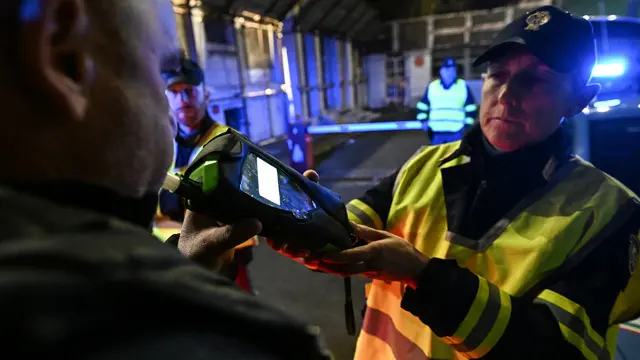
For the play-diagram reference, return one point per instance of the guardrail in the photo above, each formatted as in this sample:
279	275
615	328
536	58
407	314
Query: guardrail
366	127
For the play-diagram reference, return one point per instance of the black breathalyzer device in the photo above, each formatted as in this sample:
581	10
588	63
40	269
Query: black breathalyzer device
233	179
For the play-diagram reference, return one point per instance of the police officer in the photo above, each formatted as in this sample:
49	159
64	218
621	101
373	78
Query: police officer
502	245
188	97
447	107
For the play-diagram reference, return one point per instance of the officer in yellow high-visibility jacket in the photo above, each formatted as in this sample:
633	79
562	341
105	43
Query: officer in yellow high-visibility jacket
187	97
503	245
448	106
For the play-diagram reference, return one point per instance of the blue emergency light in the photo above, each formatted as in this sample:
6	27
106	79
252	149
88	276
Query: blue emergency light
608	103
609	68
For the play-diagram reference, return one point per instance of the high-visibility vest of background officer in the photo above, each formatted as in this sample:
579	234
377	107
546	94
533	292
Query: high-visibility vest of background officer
187	97
448	106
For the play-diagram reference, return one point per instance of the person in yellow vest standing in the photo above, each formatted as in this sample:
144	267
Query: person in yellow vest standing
448	106
188	97
503	245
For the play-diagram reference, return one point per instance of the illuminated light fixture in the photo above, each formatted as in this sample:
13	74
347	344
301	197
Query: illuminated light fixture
586	17
611	17
586	110
607	103
287	85
287	73
365	127
603	109
608	69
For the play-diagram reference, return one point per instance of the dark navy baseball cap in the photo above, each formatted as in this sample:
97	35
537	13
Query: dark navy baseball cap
448	62
189	72
562	41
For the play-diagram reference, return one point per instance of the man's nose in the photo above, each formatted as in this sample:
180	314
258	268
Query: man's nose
516	89
505	96
510	93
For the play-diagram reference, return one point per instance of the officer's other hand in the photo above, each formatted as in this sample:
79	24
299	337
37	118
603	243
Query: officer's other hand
212	244
385	257
168	224
287	249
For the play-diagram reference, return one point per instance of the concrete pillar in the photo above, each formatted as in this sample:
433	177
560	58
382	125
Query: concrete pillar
199	34
349	81
319	59
341	72
468	25
242	73
302	76
184	24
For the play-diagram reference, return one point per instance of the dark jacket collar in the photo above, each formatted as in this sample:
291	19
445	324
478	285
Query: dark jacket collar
192	139
139	211
448	86
539	159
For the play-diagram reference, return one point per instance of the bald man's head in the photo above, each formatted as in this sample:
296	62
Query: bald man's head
85	100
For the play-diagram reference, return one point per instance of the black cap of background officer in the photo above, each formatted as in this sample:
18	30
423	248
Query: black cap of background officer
189	72
448	62
560	40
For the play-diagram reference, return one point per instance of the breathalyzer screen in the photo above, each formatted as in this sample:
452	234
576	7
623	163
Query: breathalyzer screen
268	182
273	187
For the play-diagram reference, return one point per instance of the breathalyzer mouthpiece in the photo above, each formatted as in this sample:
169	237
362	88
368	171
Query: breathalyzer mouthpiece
171	182
183	187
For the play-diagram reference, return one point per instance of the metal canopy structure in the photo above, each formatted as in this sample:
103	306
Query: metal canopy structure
354	19
273	9
350	19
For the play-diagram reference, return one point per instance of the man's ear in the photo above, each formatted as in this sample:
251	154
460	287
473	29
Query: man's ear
54	54
583	99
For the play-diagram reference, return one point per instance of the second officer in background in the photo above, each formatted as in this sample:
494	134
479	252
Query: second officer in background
448	106
188	98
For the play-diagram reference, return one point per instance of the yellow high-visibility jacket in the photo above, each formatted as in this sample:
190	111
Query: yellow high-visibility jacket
577	208
216	129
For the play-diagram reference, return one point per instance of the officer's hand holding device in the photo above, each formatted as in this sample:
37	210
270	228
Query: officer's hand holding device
233	179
